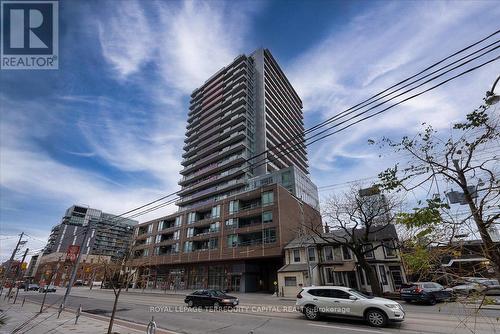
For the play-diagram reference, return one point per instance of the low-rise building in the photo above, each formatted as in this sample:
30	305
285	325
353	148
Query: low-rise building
233	244
56	268
315	260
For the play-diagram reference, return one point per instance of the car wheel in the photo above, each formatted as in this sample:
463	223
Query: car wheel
311	312
432	301
376	318
190	303
216	305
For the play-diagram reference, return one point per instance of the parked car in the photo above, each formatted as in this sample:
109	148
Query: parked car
33	287
215	298
473	285
428	292
47	288
78	282
493	287
345	302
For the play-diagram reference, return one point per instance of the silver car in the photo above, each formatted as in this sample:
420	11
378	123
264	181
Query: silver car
345	302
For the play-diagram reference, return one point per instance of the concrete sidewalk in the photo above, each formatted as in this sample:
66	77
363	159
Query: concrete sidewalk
27	319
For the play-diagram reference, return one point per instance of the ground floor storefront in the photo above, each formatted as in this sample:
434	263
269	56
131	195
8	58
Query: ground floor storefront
239	276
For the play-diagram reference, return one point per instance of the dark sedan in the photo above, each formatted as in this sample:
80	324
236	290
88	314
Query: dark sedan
215	298
428	292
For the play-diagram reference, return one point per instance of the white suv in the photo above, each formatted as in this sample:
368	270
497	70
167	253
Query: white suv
345	302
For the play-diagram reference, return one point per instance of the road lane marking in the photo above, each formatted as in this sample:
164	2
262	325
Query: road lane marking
347	328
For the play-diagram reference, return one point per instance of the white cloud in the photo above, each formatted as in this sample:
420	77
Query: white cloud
126	37
374	51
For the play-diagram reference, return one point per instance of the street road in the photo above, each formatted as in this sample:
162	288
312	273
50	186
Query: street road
267	314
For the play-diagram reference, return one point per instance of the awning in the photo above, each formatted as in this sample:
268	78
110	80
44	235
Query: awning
293	267
349	266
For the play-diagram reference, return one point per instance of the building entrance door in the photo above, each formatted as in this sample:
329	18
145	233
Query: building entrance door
397	278
235	282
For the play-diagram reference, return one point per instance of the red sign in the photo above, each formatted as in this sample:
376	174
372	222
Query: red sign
72	253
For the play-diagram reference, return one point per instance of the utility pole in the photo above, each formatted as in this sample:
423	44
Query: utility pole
17	272
75	268
7	271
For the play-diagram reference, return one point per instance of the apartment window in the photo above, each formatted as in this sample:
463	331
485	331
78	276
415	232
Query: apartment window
232	240
328	252
149	240
267	198
190	232
188	246
286	178
216	211
175	248
156	251
160	225
346	253
267	217
368	250
389	249
178	221
176	235
329	275
296	255
213	243
383	276
233	206
290	281
146	252
311	253
158	238
150	228
232	223
215	227
269	235
191	217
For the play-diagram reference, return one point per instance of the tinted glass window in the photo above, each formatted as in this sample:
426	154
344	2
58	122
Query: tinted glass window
317	292
338	294
429	286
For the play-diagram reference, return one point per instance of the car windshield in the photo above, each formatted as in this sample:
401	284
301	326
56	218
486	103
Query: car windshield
358	294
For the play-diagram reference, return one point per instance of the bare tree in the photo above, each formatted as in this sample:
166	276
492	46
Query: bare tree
467	159
353	220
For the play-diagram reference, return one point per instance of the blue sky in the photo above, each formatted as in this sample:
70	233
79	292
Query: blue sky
106	129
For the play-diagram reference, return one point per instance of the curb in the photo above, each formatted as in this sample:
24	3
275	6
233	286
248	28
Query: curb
118	321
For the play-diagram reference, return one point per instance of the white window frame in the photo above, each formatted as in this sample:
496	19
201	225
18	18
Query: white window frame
293	255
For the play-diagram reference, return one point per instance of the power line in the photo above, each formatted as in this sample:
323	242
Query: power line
342	114
359	104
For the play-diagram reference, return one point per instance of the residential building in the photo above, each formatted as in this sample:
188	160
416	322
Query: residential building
242	200
33	266
110	235
294	180
247	108
318	260
235	243
56	268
